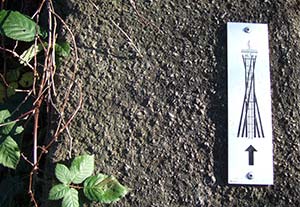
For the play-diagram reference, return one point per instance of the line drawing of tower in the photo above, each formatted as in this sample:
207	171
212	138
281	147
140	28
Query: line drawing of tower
250	125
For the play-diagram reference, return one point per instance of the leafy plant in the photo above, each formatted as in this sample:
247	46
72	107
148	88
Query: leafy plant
36	79
9	149
27	79
18	26
102	188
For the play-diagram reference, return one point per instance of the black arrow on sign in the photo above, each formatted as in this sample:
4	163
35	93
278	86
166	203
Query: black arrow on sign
251	151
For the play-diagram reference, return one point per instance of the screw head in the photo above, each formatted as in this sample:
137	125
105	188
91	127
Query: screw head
250	175
247	30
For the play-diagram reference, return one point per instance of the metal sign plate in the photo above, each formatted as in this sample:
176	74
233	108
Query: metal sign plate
250	151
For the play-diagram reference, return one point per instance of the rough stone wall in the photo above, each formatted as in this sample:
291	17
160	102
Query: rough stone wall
158	120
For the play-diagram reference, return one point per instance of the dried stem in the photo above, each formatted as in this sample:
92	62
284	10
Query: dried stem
47	90
3	80
76	187
129	39
44	91
22	117
16	55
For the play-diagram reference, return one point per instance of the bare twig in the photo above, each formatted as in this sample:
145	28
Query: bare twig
61	129
129	39
24	100
4	61
75	65
67	95
38	11
94	5
47	89
26	159
52	72
16	45
20	118
22	91
30	191
44	90
3	80
16	55
76	187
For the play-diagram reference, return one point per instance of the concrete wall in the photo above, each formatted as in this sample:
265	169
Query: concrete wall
155	107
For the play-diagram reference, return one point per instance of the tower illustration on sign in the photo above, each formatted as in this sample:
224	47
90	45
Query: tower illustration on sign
250	125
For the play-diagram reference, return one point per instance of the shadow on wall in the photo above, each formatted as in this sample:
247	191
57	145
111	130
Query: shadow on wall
218	108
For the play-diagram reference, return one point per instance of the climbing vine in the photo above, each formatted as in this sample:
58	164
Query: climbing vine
31	53
30	56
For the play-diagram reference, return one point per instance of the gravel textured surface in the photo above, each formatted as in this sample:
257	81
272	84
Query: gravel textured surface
155	113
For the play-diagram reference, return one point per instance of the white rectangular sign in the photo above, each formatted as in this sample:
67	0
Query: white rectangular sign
250	151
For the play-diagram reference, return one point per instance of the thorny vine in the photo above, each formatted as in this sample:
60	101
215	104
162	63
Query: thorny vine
44	91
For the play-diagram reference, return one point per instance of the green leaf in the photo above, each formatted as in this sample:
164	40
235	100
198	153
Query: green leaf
3	14
104	188
6	129
12	75
82	167
4	114
71	198
11	89
26	79
28	54
9	153
17	26
62	49
18	130
58	192
63	174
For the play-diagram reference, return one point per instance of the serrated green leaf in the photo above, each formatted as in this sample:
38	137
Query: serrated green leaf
17	26
62	49
63	174
104	188
26	79
82	167
71	198
6	129
58	192
29	54
9	153
4	114
3	13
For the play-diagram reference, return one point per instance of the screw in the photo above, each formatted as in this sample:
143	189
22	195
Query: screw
247	30
250	175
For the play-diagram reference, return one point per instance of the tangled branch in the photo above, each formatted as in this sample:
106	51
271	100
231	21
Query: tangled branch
44	91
